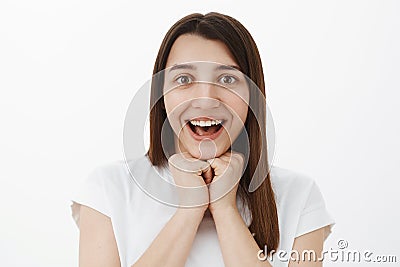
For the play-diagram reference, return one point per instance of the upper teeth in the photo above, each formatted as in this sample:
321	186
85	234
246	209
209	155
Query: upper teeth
205	123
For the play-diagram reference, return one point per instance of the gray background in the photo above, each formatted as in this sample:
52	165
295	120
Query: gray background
68	70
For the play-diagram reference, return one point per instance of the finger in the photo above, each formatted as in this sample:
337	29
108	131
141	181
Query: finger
226	158
236	158
208	175
238	155
232	155
185	164
218	165
232	159
226	154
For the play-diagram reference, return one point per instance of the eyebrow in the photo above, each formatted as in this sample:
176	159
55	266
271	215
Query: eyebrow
228	67
192	67
182	66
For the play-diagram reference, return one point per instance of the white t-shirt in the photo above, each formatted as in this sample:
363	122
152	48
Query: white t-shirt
137	218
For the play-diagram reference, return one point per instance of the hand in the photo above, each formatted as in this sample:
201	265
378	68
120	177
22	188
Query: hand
188	173
228	170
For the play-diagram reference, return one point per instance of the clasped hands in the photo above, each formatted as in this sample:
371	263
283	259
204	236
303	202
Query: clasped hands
208	184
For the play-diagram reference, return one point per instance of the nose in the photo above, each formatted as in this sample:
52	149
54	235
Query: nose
205	96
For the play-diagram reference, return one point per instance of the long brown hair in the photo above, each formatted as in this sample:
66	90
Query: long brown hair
234	35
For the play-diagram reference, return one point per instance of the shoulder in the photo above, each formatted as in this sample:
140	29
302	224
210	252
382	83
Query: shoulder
108	171
295	190
106	176
300	202
116	173
108	183
106	186
290	184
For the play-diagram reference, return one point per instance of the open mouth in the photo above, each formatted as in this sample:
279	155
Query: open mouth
205	128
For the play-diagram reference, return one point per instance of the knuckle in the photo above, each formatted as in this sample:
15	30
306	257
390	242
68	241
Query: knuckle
239	157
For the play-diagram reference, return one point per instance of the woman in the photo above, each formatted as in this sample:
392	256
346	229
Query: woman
210	143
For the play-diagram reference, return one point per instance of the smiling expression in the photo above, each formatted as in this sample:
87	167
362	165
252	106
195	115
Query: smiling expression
205	95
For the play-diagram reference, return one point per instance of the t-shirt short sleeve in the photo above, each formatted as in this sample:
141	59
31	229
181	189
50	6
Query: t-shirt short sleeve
314	214
91	193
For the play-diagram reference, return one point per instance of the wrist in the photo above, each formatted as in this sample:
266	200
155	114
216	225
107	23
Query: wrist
222	211
196	213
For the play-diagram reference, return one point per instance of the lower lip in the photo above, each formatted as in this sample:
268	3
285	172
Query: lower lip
202	137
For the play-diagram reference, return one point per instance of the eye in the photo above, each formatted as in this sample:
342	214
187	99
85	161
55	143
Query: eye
227	79
183	79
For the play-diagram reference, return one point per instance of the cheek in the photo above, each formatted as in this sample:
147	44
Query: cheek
169	102
242	111
239	107
170	107
238	103
174	101
175	106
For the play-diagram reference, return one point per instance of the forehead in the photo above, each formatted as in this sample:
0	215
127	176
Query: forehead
189	47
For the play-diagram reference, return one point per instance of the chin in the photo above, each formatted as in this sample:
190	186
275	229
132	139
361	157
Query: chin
206	153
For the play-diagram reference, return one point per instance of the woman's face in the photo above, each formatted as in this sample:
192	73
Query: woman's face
205	95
